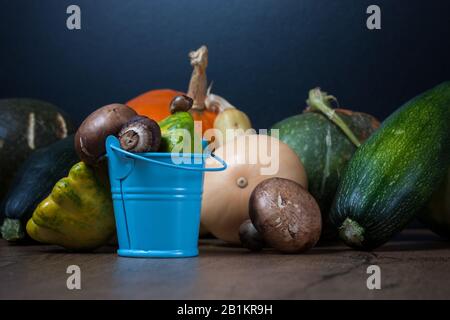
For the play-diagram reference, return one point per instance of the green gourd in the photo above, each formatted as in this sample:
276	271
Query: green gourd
175	129
324	148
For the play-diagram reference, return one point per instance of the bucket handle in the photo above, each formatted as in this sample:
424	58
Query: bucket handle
170	165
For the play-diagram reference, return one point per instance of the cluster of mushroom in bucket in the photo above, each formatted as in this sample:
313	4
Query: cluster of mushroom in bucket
156	176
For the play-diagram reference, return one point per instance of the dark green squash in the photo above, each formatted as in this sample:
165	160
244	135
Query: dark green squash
324	149
436	214
26	125
33	182
394	173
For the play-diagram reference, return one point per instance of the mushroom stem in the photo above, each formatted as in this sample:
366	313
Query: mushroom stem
198	84
129	140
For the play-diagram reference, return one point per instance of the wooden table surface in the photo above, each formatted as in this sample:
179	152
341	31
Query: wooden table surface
415	265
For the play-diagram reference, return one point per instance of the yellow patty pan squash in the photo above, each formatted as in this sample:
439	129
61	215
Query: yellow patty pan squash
77	215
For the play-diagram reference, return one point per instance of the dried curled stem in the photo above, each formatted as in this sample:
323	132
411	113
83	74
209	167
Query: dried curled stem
320	101
199	84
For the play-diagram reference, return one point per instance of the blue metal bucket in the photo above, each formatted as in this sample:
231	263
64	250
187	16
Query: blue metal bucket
157	203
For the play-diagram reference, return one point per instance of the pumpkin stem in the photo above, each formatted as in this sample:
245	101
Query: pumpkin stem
199	84
320	101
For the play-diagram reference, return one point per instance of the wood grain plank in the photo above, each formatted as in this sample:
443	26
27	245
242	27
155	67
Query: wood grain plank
415	266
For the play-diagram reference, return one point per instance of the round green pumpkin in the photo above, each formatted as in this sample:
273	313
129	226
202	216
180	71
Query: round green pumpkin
26	125
324	151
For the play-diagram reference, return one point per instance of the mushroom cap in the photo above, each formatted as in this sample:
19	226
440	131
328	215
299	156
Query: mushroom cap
226	193
286	215
91	135
181	103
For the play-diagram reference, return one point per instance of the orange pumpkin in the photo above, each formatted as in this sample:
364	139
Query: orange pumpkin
155	104
205	116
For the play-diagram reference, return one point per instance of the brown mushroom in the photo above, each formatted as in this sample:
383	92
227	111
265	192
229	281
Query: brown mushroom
91	135
181	103
140	134
286	215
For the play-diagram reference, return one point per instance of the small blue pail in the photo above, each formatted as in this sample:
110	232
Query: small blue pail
157	202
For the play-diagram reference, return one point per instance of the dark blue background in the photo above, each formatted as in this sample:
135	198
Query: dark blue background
264	55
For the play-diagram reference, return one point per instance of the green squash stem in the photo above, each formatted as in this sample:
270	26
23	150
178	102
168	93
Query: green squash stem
12	230
351	233
320	101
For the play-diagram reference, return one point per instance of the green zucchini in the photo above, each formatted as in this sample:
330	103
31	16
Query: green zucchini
393	174
33	182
